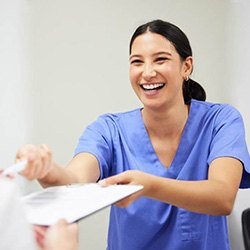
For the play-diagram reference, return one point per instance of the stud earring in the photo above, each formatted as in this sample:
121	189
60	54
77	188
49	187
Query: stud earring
187	78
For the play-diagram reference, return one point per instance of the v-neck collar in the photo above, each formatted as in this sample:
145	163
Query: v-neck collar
181	152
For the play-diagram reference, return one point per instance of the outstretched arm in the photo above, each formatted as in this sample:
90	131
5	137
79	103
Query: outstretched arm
214	196
82	168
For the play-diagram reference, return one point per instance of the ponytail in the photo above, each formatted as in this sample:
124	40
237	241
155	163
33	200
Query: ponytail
193	90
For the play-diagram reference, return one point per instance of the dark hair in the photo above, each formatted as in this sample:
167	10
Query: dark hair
191	89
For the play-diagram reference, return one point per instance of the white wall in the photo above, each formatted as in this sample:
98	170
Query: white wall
80	69
15	99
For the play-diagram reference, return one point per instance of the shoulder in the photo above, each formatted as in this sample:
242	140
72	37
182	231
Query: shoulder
119	117
114	120
218	111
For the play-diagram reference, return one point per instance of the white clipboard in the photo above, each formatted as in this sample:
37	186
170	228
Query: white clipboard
72	202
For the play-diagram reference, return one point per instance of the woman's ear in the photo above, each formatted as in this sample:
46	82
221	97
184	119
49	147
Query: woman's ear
187	67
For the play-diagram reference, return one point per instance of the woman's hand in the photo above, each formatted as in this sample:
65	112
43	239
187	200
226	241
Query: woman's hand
39	160
132	177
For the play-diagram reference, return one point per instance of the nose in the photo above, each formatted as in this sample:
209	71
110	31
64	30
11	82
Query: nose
148	72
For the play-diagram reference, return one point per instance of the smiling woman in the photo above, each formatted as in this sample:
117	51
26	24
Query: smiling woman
190	155
170	43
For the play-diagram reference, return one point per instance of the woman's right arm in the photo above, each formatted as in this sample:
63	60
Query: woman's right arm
82	168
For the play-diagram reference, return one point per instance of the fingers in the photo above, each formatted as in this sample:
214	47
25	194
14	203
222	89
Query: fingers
62	236
46	160
71	228
127	201
39	160
123	178
132	177
25	152
127	177
40	233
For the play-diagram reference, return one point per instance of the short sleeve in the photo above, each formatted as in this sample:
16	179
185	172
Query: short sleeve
229	141
96	140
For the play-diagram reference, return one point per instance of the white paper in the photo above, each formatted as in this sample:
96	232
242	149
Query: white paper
12	218
72	202
15	168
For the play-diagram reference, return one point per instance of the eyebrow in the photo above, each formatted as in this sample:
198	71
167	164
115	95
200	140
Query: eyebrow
155	54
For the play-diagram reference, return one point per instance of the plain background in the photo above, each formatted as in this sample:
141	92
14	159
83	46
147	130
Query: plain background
64	62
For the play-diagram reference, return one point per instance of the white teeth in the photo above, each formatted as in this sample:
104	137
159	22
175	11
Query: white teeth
152	86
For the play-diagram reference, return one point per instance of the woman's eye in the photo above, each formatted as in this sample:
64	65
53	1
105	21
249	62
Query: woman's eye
161	59
136	61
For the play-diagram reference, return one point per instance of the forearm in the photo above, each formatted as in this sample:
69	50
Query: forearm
206	196
83	168
214	196
57	176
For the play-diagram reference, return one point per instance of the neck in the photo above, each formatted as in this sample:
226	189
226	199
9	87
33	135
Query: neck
168	123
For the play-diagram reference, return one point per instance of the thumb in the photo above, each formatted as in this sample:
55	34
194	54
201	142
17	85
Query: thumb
116	179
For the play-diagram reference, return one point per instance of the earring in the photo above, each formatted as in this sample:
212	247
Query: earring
187	78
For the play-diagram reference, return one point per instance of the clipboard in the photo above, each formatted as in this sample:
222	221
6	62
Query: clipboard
72	202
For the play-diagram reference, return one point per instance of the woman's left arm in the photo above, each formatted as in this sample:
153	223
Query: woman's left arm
214	196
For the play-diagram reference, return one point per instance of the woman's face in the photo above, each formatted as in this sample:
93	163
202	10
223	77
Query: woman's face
157	71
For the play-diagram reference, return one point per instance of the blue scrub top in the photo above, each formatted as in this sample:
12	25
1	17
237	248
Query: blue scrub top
120	142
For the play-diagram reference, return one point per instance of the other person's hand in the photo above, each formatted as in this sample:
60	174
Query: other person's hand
61	236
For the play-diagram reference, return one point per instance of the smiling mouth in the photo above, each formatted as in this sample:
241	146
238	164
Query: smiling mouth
153	86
